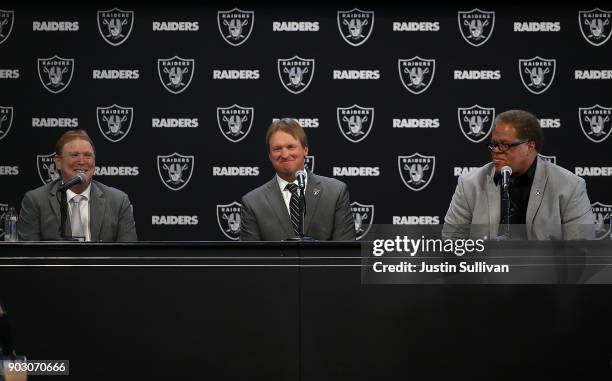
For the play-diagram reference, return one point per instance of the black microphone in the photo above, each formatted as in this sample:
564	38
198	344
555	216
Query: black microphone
301	178
78	179
506	171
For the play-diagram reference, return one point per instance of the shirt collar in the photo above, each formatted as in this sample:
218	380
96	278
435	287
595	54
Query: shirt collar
282	183
70	194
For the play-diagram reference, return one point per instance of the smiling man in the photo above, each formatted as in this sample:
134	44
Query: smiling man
95	212
546	201
266	211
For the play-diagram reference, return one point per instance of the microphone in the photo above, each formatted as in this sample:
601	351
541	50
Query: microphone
301	178
78	179
506	171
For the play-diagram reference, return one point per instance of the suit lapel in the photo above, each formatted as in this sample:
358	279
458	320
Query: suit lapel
275	199
313	194
494	202
97	207
537	192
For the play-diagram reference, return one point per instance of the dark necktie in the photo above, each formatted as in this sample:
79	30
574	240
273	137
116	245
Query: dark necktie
294	207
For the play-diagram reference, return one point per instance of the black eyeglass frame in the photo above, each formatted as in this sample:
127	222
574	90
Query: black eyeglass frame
507	146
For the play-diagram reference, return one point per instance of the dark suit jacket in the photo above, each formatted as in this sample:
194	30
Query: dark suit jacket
110	214
328	214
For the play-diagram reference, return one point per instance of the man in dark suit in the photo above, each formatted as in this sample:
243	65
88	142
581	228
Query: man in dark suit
266	211
95	212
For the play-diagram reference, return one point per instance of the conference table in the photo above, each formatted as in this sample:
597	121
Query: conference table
288	311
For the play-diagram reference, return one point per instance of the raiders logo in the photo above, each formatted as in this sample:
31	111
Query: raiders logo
416	170
552	159
235	122
476	26
309	163
595	26
603	222
355	122
355	26
175	73
235	25
7	19
46	168
228	218
476	122
3	210
55	73
363	216
175	170
537	74
595	122
295	73
115	121
115	25
6	120
416	73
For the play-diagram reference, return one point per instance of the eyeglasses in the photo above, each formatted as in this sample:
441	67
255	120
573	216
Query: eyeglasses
503	147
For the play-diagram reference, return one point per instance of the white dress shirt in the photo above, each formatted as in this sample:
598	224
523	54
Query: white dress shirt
84	206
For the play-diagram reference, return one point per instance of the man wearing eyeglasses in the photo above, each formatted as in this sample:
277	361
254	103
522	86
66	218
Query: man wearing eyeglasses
546	201
92	210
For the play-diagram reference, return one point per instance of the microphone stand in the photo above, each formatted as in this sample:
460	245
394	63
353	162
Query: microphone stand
506	200
61	194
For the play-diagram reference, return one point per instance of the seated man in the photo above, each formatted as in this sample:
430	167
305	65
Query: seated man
266	211
549	201
96	212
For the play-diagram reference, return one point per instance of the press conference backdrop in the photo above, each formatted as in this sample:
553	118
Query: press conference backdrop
396	102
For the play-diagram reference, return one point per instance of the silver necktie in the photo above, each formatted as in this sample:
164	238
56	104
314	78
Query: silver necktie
76	225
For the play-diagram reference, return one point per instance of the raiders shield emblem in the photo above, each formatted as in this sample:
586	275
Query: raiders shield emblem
55	73
235	25
309	163
595	26
416	170
295	73
7	19
476	26
46	168
603	222
228	218
537	74
595	122
416	73
175	73
235	122
175	170
6	120
552	159
115	25
476	122
115	121
363	216
3	210
355	122
355	26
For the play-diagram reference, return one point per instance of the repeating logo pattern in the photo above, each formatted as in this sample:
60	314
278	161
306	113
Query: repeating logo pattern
7	19
595	122
552	159
228	218
537	74
595	26
363	216
235	122
47	171
235	25
175	73
476	26
115	25
6	120
55	73
295	73
175	170
355	122
114	121
355	26
476	122
416	73
309	163
416	170
602	213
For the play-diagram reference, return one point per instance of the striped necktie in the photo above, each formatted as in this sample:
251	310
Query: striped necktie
294	207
